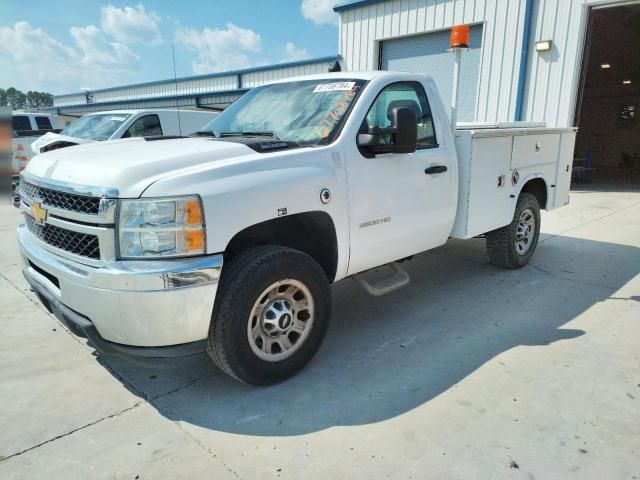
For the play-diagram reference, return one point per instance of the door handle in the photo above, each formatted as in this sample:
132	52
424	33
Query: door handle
436	169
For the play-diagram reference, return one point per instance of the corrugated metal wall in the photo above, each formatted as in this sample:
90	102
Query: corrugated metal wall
362	28
552	77
254	79
216	100
221	86
551	86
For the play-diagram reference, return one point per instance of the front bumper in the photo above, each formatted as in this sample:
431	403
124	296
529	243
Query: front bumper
125	305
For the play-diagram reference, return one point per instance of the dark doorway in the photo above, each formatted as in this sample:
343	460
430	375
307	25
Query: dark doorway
608	141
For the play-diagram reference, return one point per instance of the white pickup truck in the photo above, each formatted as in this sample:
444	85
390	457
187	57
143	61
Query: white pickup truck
231	239
115	124
27	128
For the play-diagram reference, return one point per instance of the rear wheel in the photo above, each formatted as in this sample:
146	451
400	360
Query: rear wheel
271	315
512	246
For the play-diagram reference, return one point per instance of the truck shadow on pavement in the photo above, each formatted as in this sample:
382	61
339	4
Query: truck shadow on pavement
385	356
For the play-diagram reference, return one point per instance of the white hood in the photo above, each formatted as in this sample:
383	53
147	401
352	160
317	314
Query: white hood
49	138
130	165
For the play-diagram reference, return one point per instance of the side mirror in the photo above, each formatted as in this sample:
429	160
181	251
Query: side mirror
404	125
371	139
403	130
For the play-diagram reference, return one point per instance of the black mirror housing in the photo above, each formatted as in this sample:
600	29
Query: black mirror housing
403	130
404	122
371	138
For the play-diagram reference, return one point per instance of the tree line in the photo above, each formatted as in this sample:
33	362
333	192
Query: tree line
17	99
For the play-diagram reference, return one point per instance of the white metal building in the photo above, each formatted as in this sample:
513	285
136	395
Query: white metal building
214	91
592	63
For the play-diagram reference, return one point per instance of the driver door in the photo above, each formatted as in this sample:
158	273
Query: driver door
398	204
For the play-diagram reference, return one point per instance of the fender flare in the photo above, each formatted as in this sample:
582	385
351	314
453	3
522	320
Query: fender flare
533	176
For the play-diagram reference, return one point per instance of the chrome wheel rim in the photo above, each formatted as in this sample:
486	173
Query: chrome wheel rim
280	320
525	231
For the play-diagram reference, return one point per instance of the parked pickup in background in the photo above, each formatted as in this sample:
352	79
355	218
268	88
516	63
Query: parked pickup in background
28	127
96	127
230	240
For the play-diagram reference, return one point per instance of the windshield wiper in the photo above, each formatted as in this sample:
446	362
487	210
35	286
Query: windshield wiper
203	133
247	133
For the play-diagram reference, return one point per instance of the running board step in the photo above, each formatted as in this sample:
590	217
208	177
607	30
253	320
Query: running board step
397	279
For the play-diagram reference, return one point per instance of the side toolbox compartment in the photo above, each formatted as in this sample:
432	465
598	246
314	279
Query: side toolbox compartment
495	163
534	150
484	203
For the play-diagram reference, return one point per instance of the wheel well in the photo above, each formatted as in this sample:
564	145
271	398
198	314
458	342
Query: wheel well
312	233
538	188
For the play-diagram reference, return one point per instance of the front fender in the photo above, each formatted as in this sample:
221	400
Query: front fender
259	188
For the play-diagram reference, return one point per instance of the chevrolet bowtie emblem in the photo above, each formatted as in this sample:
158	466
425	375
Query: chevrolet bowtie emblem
39	213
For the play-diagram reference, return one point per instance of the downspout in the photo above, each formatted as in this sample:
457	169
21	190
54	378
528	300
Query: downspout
522	75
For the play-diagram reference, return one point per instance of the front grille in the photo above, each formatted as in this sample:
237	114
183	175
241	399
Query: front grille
66	201
78	243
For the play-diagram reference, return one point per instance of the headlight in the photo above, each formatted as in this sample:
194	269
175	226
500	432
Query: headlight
161	227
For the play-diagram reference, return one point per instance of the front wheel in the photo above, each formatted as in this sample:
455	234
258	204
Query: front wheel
271	315
512	246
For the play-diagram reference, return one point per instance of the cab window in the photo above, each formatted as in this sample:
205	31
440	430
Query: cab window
21	122
406	95
147	126
43	123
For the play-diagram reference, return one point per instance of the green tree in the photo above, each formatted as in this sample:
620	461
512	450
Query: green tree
16	98
46	99
32	100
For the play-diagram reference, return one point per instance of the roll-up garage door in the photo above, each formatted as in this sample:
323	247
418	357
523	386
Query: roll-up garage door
429	54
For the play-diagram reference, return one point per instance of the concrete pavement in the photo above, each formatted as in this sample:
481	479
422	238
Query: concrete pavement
469	372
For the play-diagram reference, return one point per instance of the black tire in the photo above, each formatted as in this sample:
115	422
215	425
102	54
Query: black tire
501	243
242	282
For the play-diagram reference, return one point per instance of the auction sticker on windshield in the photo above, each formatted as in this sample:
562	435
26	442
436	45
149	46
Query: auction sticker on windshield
332	87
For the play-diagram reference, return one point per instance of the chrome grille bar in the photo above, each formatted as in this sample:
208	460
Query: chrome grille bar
63	200
77	243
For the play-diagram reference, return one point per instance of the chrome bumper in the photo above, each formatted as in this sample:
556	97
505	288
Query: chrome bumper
147	303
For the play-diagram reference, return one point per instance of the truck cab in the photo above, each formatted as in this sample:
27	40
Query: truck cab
29	124
228	241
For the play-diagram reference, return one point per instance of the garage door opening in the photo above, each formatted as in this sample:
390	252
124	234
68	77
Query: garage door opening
608	141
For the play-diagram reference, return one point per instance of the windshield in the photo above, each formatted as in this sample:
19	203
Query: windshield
95	127
308	112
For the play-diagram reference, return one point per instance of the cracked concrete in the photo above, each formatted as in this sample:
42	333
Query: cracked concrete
468	372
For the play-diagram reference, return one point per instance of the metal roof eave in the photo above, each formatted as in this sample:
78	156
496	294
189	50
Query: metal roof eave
356	4
278	66
237	91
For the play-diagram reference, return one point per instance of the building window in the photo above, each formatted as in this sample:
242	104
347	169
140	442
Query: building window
629	112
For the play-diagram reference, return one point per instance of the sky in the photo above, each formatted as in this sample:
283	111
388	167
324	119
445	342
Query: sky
65	46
